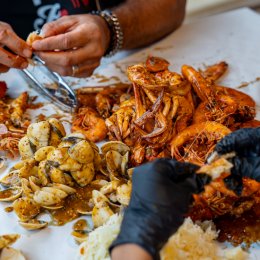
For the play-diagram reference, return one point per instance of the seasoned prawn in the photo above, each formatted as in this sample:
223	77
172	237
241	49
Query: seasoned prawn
107	98
202	87
216	104
232	106
140	75
214	72
220	111
89	123
184	113
218	200
18	107
245	104
197	141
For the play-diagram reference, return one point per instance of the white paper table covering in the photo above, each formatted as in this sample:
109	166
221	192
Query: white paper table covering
233	37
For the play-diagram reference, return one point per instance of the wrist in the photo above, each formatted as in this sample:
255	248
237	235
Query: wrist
147	228
106	34
116	33
129	252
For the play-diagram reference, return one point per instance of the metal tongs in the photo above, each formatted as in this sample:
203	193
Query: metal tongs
51	85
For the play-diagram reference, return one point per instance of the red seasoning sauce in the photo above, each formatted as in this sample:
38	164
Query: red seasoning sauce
237	230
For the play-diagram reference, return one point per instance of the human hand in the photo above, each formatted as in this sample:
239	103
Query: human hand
78	40
161	195
19	50
246	163
244	142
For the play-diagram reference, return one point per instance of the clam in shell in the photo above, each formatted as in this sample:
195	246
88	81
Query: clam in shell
26	148
115	146
123	193
45	198
39	133
11	179
7	240
101	211
85	175
33	224
26	208
87	213
71	139
3	163
65	188
9	253
10	194
80	236
80	231
53	207
42	153
82	152
57	131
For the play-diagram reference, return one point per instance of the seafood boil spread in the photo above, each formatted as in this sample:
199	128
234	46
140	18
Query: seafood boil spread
159	114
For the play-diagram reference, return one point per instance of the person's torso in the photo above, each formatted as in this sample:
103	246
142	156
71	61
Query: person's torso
26	16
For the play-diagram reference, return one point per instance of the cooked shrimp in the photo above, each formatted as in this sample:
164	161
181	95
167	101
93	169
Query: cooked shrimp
89	123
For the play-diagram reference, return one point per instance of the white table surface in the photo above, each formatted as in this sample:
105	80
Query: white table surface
233	37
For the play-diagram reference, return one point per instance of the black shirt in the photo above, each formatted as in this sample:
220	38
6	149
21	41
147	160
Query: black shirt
26	16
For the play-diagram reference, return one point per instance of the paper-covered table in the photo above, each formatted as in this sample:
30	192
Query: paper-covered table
233	37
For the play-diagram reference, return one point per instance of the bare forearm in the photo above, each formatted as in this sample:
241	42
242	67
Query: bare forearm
129	252
144	22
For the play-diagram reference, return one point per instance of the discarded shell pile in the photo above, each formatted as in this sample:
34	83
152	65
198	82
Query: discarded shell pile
67	176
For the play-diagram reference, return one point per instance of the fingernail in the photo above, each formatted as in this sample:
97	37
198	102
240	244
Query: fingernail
24	65
27	53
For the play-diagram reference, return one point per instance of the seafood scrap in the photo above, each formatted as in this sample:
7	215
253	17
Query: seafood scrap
217	200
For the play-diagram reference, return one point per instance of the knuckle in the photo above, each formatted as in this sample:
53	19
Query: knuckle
99	51
66	42
66	61
5	25
50	26
63	71
3	34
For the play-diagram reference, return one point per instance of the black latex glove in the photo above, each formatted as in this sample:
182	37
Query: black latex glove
246	144
161	195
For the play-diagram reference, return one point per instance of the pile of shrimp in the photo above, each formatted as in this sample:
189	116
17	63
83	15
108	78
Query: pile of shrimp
176	115
95	105
164	113
13	121
183	116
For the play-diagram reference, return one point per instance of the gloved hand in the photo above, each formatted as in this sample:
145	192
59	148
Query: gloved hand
161	195
246	144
